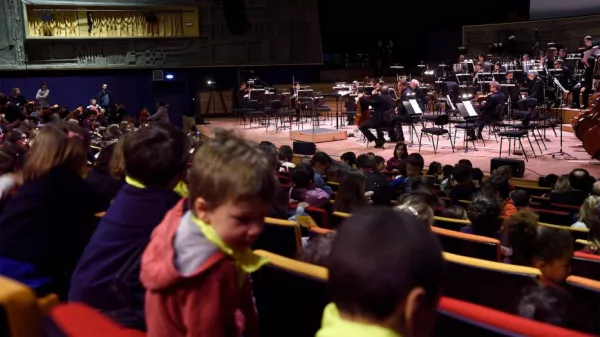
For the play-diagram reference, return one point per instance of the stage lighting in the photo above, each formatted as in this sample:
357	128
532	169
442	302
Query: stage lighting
169	76
209	82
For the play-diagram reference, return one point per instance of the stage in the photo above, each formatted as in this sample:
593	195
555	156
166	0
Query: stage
542	165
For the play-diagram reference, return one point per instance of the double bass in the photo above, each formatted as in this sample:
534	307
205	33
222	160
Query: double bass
587	127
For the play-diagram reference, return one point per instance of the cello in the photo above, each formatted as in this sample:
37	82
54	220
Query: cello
361	116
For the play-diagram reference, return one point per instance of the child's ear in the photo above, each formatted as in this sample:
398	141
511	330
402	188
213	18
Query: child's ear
413	311
538	264
201	210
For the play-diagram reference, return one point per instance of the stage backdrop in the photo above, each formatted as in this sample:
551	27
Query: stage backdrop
115	34
548	9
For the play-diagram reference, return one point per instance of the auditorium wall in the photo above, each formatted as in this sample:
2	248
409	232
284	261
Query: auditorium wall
567	31
259	32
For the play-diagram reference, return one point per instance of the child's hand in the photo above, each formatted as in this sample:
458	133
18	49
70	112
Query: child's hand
303	204
240	322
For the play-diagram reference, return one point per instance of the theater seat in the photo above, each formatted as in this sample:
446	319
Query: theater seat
337	218
577	233
495	285
78	320
290	296
450	224
587	294
459	318
476	246
281	237
19	311
586	265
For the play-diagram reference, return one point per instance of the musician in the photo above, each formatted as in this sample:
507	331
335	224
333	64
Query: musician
487	112
526	63
584	87
380	103
405	93
485	64
514	91
565	76
478	70
419	94
535	94
548	60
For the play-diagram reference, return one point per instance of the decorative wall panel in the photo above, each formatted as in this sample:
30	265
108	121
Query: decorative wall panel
280	32
568	32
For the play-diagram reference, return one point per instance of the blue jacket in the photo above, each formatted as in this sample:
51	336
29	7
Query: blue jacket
107	276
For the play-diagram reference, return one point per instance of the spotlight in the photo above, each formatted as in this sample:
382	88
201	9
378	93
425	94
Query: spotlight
169	76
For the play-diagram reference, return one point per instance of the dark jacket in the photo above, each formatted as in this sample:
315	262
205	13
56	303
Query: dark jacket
43	229
107	276
536	90
103	184
381	104
488	109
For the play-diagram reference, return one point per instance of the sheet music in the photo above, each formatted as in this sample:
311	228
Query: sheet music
470	109
415	106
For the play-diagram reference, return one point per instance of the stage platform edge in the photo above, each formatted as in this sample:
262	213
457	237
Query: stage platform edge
318	135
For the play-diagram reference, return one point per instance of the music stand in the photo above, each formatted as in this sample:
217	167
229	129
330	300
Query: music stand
560	152
511	91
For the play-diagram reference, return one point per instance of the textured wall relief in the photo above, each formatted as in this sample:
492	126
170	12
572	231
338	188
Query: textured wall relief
272	24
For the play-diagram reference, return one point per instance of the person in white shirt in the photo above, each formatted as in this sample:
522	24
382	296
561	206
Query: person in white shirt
42	95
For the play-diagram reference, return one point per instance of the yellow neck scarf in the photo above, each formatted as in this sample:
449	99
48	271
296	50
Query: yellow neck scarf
181	188
246	261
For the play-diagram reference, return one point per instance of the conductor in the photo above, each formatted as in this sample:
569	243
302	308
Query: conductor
381	104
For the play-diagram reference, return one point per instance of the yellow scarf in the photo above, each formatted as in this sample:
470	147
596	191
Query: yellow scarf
181	188
246	261
333	325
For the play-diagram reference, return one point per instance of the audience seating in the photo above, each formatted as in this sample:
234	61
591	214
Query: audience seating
337	218
20	310
554	217
450	224
476	246
533	190
492	284
587	295
459	318
290	296
320	216
586	265
577	233
78	320
281	237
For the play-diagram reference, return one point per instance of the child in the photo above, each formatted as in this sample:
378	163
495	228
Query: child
484	212
416	205
107	276
285	156
385	276
304	187
41	227
455	212
400	153
196	266
351	193
379	164
548	249
320	163
553	305
348	160
99	177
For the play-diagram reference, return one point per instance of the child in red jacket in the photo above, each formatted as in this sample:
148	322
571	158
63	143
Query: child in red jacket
196	267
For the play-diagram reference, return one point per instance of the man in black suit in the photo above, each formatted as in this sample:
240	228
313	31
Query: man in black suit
584	88
380	103
535	94
487	112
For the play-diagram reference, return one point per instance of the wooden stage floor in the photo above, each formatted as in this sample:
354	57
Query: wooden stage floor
542	165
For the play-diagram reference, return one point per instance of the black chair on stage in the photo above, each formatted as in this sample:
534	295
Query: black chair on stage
256	114
437	130
514	136
497	121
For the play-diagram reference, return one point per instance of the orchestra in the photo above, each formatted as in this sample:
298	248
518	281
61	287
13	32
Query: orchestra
524	84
